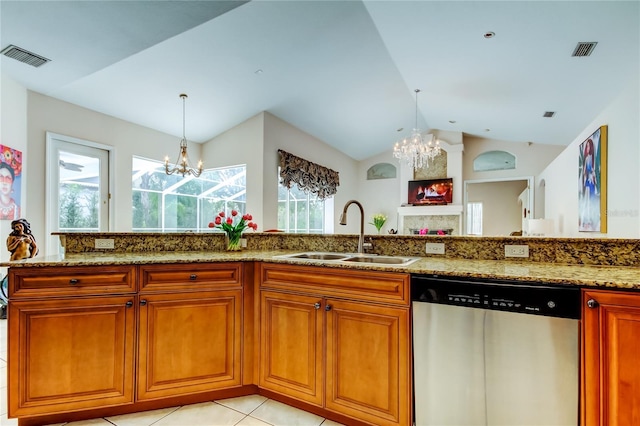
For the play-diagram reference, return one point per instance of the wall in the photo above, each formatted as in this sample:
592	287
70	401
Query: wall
13	133
379	195
48	114
561	176
279	134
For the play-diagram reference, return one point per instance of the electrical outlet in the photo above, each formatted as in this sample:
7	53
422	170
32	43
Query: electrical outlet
434	248
104	243
521	250
243	242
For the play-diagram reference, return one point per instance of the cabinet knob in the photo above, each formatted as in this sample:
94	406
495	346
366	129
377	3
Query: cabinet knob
143	302
328	307
74	281
129	304
592	303
193	277
317	305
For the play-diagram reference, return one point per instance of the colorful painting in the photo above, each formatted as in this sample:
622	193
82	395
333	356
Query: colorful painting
10	182
592	183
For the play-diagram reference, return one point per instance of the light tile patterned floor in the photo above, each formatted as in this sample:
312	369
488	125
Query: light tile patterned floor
253	410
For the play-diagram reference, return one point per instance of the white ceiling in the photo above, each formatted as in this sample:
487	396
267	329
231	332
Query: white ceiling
343	71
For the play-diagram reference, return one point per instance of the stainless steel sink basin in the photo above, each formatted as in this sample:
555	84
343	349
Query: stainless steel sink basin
386	260
319	256
351	258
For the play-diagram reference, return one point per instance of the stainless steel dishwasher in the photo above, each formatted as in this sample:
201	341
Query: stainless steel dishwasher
494	353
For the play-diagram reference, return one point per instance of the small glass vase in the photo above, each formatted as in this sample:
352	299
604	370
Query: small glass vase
232	241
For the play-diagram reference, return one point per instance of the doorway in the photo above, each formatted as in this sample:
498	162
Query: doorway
506	203
77	187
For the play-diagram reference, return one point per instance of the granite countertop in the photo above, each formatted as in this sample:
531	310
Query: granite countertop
554	273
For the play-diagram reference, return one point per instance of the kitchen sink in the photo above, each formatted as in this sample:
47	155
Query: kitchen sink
319	256
330	257
386	260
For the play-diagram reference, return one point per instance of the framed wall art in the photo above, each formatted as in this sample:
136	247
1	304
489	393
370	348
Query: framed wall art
592	182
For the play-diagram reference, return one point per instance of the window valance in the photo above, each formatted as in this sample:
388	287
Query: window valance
310	177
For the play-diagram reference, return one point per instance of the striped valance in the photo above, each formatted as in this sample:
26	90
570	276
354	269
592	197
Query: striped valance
310	177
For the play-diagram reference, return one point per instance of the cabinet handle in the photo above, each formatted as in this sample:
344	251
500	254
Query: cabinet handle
592	303
193	277
317	305
328	307
129	304
74	281
143	302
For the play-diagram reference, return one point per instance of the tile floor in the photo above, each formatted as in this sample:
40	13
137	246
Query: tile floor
254	410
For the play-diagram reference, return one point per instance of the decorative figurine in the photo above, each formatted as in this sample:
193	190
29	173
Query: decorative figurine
21	242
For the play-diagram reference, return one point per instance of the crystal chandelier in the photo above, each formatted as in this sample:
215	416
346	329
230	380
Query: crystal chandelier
416	150
182	165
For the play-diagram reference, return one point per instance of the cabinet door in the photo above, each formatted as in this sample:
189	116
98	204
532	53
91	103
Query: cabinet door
70	354
189	343
368	362
291	345
611	348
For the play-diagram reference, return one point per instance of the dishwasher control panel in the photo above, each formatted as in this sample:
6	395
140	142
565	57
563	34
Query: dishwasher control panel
521	297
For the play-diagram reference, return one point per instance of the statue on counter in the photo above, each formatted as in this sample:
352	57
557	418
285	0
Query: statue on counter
20	241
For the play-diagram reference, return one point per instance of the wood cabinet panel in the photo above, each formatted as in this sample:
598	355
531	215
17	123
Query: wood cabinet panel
291	346
384	287
71	355
189	343
70	281
611	344
184	277
610	393
368	362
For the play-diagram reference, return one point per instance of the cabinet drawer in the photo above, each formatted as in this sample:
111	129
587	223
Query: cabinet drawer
386	287
71	281
190	277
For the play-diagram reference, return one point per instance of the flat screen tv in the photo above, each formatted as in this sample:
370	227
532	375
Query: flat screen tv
430	191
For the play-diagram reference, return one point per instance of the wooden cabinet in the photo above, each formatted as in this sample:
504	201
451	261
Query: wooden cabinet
337	339
610	393
69	353
83	338
190	326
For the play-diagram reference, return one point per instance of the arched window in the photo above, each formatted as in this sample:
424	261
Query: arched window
494	160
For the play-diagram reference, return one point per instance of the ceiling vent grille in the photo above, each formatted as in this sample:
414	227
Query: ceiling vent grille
549	114
25	56
584	48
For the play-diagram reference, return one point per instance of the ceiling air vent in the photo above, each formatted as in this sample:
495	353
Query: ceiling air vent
549	114
584	48
25	56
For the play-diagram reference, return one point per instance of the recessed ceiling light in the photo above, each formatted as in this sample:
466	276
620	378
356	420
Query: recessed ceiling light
258	72
487	130
489	34
452	121
400	129
549	114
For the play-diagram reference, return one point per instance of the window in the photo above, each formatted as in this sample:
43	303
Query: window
300	212
474	218
173	203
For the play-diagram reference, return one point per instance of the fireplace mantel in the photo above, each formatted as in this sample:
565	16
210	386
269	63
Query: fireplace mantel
438	210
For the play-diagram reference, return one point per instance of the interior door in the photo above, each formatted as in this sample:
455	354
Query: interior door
77	187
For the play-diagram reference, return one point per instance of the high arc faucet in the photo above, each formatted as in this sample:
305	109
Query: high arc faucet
343	221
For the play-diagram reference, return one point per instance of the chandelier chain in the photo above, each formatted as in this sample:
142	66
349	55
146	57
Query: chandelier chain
183	165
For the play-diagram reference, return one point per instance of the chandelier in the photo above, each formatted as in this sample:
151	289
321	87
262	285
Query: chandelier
416	150
182	165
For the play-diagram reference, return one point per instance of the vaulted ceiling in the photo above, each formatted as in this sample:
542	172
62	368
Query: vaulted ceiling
342	71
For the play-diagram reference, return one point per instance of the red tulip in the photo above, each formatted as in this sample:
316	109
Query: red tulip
218	220
234	213
221	214
211	224
249	217
246	217
229	221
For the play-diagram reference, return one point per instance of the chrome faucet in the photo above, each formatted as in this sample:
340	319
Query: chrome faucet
343	221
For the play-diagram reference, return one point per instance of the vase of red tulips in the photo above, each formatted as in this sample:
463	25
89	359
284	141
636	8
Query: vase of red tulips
233	226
